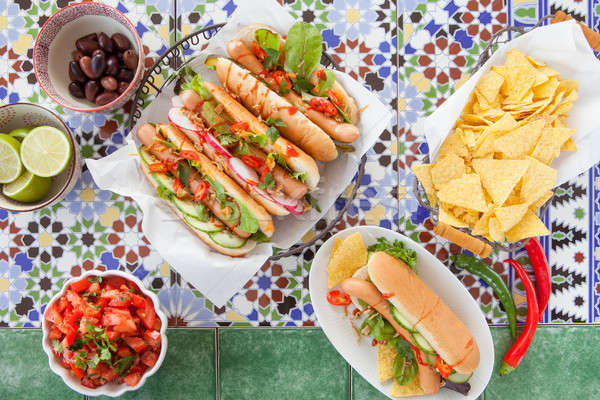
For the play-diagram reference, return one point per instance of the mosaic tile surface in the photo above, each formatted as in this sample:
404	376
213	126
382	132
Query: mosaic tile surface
413	54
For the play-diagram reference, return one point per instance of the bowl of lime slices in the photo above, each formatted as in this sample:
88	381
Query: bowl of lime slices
39	158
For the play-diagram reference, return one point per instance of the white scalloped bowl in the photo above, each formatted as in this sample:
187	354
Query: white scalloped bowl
110	389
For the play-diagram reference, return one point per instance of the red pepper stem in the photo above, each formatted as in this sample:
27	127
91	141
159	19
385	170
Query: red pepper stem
516	353
542	273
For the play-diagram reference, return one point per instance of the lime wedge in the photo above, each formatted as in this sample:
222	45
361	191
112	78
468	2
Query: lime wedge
28	188
10	162
46	151
20	133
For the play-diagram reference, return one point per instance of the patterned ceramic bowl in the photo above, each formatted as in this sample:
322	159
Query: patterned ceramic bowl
110	389
56	41
17	115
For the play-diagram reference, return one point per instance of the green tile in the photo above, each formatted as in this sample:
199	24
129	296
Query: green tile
363	390
188	371
280	364
561	363
24	370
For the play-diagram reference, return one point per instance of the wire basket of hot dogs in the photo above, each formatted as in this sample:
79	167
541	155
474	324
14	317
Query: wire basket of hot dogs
491	180
246	144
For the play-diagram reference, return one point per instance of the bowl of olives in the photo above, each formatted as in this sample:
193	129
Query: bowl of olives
88	57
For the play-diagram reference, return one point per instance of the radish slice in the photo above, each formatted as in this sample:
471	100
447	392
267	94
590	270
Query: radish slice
177	118
214	143
176	102
242	171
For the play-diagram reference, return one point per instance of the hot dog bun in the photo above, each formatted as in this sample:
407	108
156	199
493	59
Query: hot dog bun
301	162
347	102
426	311
264	102
239	252
207	167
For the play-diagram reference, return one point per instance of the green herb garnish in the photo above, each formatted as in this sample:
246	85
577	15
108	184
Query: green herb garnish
396	249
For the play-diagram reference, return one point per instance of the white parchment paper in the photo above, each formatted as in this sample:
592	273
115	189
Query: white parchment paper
217	276
564	48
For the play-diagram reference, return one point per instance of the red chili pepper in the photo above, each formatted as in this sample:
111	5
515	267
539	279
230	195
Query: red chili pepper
201	191
418	356
323	105
387	295
157	167
239	126
177	185
444	369
542	273
516	353
292	110
189	155
338	298
258	51
321	74
290	151
374	342
263	174
281	76
251	161
333	97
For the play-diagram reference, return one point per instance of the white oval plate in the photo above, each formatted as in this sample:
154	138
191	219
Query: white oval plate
363	357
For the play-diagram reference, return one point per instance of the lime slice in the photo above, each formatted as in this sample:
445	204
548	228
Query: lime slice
10	162
20	133
28	188
46	151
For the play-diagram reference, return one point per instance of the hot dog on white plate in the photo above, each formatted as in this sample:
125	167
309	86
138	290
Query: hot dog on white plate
210	204
335	111
442	344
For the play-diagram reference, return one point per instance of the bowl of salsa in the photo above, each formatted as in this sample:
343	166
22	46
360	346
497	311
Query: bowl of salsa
104	333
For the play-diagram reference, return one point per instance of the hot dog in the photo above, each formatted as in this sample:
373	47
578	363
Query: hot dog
275	172
429	380
338	130
212	206
266	103
250	49
442	345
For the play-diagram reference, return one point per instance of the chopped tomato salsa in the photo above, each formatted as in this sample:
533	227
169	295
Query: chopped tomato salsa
104	329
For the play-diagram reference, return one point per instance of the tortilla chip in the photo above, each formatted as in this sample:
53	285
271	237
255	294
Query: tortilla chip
547	89
499	177
539	202
520	75
538	179
465	192
489	85
423	173
536	63
529	226
385	361
550	143
496	234
412	389
509	216
453	145
348	257
481	227
447	168
569	145
447	217
520	142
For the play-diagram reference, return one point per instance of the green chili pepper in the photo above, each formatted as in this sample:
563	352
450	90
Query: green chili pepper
482	270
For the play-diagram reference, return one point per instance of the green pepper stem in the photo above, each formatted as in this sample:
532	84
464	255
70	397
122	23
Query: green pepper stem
506	369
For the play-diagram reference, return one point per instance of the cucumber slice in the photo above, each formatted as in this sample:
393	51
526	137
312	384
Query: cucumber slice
163	180
187	207
459	378
401	319
146	156
227	239
207	226
422	343
431	359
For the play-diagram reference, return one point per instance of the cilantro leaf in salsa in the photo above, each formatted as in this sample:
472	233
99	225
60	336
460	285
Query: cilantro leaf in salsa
396	249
